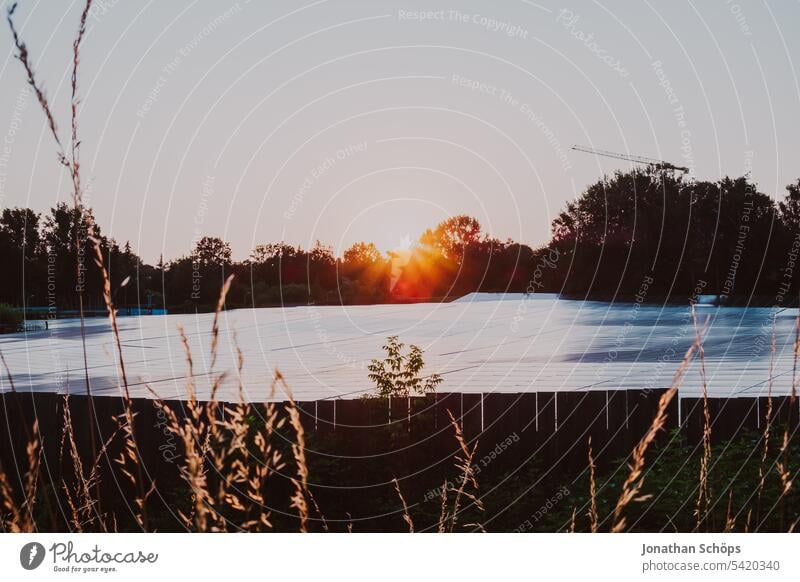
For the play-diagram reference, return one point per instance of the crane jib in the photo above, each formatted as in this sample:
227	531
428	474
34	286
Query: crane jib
657	164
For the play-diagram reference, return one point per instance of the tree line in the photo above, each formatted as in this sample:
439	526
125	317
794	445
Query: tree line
643	235
40	258
656	234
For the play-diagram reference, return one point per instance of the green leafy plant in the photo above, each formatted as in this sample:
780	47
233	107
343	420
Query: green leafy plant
400	374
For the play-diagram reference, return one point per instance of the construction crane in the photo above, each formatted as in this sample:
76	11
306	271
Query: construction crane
653	163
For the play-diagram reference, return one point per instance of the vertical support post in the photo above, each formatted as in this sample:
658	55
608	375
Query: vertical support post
481	411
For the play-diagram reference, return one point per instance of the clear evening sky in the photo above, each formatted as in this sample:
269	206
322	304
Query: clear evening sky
345	121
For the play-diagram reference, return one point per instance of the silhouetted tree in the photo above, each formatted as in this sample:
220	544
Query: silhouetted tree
638	225
790	207
20	249
452	236
679	235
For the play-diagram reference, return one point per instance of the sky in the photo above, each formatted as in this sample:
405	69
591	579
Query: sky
344	121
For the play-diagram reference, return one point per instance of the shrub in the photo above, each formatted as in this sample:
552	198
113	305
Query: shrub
401	374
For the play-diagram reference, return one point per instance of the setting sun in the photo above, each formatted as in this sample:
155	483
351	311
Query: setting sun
404	246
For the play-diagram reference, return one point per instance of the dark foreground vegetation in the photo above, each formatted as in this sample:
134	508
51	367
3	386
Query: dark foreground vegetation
419	464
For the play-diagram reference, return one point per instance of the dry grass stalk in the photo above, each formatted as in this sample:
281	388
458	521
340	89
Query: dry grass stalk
192	469
635	479
33	452
84	507
730	519
191	433
464	463
33	444
299	452
112	314
78	512
9	517
406	514
227	477
211	437
271	461
782	463
239	367
226	446
77	201
783	469
783	457
762	473
593	520
72	164
442	525
17	517
215	324
23	57
242	473
194	436
201	432
74	142
131	447
703	495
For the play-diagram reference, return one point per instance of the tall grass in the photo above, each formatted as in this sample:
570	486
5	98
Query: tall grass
594	524
703	493
632	487
70	161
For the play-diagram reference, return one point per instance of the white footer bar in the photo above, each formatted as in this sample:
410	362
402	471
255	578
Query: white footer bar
389	557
